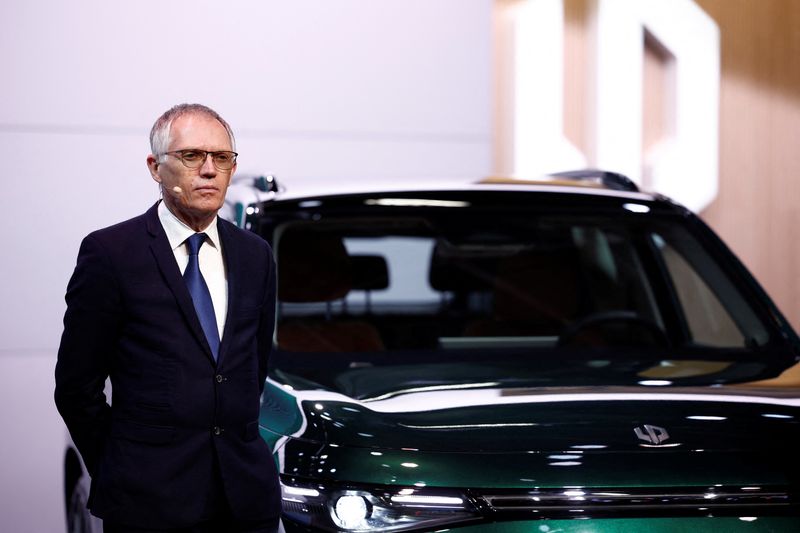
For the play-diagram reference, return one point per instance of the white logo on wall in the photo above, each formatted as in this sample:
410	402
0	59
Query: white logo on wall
684	163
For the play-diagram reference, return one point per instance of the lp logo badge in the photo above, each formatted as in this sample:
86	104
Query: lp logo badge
651	434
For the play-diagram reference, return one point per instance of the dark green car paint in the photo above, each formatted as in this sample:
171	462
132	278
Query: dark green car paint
542	419
547	445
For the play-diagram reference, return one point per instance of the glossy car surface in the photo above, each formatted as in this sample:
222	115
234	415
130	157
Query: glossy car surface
523	358
562	356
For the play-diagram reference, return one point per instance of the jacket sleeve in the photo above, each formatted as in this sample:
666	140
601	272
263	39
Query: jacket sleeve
266	326
91	329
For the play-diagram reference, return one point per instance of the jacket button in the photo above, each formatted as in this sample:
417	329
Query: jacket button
219	378
217	430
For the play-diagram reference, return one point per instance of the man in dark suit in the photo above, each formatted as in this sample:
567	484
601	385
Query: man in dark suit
177	307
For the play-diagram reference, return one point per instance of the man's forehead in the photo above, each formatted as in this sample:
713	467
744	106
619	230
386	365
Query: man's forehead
198	125
197	120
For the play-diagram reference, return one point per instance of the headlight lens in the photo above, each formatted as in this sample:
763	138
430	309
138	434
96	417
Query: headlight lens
351	511
334	508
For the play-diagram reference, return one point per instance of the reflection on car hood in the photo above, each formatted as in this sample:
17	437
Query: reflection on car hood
500	420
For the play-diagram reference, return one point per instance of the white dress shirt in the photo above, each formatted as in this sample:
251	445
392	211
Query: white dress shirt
212	264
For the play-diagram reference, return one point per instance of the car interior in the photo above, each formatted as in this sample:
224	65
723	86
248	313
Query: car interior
400	284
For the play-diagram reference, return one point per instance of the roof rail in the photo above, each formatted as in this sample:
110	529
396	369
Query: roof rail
610	180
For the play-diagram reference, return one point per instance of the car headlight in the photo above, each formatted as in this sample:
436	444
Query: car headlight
338	508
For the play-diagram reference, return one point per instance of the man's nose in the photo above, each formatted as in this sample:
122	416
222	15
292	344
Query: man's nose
208	169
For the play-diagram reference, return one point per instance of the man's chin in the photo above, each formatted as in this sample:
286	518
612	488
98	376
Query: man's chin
194	214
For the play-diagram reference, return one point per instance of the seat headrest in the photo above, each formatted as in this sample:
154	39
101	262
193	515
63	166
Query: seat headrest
452	271
370	272
313	266
538	286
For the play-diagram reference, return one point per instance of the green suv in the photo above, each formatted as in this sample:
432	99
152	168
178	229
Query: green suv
563	355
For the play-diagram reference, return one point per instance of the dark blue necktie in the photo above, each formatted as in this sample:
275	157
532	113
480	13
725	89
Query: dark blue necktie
201	297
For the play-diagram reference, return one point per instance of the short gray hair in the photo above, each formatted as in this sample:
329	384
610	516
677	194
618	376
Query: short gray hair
159	134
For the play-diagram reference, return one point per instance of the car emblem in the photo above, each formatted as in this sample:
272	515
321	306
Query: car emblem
651	434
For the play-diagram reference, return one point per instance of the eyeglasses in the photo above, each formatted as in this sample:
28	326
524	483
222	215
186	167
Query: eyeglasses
196	158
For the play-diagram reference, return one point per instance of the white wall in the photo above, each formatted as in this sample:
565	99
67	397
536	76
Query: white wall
318	91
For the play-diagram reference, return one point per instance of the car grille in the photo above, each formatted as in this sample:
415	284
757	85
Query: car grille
682	501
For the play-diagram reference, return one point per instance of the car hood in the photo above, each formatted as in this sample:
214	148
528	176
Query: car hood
616	436
494	420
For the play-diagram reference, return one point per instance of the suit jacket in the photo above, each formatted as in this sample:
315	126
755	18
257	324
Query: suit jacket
175	415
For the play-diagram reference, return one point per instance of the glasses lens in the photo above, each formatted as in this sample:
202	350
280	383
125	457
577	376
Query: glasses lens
192	158
223	160
196	158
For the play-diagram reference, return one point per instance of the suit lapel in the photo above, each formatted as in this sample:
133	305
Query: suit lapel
230	254
165	259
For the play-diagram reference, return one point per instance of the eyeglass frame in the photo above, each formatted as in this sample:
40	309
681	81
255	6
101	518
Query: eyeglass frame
205	153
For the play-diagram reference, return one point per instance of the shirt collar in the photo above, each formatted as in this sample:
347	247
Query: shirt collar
177	232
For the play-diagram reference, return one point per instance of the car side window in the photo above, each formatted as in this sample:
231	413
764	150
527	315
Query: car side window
713	309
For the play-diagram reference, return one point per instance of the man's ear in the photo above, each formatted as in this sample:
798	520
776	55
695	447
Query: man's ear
152	166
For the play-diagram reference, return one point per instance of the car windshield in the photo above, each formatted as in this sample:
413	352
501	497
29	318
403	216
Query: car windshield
498	287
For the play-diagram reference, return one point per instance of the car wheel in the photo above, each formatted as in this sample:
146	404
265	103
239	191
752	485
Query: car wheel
79	520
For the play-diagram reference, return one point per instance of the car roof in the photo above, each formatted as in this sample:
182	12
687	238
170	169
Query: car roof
417	185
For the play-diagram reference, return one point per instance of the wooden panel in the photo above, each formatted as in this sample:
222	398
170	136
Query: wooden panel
658	98
576	72
757	211
658	93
